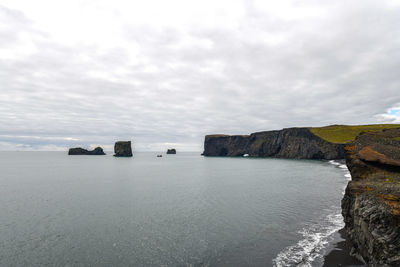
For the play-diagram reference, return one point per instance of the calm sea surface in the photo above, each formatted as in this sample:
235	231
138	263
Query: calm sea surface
178	210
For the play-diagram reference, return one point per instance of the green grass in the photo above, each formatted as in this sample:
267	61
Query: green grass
346	133
396	138
224	135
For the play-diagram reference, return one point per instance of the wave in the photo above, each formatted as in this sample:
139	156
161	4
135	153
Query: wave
315	237
334	162
309	248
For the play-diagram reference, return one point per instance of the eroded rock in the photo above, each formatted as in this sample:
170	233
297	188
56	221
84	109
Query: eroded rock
171	151
123	149
82	151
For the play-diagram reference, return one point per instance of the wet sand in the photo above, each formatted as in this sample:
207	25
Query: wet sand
339	253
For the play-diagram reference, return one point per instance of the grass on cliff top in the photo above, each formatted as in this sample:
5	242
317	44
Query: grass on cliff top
346	133
216	135
224	135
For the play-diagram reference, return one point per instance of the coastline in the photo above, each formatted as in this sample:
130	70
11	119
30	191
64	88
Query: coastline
338	252
323	242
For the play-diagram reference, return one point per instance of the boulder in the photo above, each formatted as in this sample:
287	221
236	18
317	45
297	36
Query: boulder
82	151
123	149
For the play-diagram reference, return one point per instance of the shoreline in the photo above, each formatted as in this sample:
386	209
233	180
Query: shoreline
338	252
326	241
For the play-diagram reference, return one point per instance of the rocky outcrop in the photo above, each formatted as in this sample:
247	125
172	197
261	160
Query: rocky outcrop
123	149
82	151
371	206
298	143
171	151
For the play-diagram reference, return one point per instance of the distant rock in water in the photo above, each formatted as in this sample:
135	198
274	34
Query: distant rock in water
82	151
123	149
171	151
371	204
297	143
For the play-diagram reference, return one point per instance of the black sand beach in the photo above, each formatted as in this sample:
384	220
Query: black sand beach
339	253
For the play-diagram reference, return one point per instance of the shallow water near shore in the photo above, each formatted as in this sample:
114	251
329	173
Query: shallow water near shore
178	210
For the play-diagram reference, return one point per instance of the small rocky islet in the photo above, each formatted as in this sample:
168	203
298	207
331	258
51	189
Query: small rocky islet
171	151
123	149
82	151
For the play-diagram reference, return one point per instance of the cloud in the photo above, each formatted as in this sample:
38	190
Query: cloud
392	115
158	73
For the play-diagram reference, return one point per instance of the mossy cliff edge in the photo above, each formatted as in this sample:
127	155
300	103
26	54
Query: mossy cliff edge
299	143
371	206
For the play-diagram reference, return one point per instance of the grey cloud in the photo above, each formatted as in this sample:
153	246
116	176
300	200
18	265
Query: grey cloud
341	68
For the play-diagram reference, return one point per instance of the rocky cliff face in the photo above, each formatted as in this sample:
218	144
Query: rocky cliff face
123	149
371	206
81	151
299	143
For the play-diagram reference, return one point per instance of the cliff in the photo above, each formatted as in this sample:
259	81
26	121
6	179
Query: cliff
371	206
82	151
299	143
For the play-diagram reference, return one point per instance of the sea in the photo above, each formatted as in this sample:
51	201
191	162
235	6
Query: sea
175	210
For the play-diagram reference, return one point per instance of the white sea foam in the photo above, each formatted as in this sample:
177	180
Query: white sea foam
334	162
315	236
347	173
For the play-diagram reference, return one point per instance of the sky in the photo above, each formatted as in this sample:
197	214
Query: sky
165	73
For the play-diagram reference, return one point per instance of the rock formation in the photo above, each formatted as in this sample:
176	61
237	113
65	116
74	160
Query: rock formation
299	143
82	151
171	151
371	206
123	149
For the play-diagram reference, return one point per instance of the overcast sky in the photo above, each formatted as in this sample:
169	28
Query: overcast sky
166	73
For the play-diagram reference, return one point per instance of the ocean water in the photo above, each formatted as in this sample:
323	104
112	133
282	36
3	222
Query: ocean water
178	210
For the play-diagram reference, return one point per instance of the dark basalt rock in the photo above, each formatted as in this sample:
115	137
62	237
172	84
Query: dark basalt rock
123	149
371	206
298	143
171	151
82	151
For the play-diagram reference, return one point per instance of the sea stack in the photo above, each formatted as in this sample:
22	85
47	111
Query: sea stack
82	151
371	204
171	151
123	149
